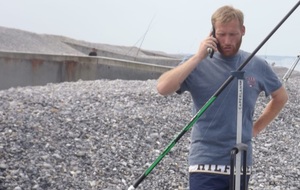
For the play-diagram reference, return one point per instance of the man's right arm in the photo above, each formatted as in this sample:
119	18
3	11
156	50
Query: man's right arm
170	81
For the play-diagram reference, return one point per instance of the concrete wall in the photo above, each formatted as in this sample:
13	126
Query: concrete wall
26	69
151	57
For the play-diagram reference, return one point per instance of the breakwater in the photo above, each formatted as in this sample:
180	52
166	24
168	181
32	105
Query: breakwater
29	69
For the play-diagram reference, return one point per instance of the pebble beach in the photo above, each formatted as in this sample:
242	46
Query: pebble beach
104	134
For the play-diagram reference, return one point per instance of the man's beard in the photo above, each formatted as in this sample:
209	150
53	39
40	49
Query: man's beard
234	51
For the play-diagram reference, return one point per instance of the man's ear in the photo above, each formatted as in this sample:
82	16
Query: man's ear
243	30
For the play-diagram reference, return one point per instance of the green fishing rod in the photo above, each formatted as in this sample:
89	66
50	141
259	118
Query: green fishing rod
207	104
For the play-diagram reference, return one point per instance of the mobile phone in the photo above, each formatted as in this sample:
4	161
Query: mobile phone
213	33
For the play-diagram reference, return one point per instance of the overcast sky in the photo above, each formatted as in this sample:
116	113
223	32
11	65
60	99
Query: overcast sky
172	26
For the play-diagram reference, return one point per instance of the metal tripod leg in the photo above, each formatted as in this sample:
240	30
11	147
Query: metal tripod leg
234	177
239	148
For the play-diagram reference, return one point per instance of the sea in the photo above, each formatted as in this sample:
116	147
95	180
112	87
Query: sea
284	61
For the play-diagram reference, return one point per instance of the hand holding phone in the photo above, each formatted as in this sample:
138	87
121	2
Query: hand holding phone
211	50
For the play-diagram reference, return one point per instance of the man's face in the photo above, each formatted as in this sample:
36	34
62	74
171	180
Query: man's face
229	36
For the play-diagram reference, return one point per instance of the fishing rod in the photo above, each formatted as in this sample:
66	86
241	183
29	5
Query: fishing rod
141	39
207	104
144	37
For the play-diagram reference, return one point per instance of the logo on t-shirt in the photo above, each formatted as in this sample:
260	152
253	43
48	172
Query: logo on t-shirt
251	81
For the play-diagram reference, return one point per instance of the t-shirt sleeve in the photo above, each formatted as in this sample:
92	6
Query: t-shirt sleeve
183	86
271	80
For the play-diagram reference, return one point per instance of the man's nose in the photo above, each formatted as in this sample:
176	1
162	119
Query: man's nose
227	39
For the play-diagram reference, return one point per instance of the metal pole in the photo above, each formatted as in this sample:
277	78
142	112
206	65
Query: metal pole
207	104
290	70
240	78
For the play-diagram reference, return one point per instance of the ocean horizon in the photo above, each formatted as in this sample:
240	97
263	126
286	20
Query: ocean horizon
284	61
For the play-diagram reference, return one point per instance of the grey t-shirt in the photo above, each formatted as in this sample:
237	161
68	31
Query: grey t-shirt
214	135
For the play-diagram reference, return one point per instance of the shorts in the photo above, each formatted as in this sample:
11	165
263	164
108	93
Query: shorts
206	181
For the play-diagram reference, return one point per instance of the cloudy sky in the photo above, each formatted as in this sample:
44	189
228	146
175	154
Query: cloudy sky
172	26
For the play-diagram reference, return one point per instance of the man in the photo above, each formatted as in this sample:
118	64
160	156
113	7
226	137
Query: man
93	52
214	135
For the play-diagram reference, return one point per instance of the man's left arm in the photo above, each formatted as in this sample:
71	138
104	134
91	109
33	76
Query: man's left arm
279	99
